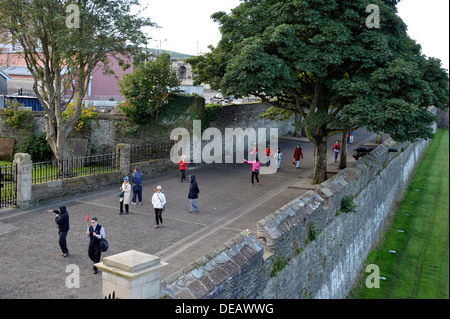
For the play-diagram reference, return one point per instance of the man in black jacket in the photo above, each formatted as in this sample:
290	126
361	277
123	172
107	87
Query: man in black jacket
95	232
62	220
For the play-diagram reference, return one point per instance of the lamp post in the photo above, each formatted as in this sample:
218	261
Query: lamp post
146	50
160	41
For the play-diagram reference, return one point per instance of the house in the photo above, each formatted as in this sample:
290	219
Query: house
4	78
103	90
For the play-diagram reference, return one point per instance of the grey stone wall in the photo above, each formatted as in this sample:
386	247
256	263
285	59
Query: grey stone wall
282	260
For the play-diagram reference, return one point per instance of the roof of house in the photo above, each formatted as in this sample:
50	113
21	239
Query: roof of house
15	70
4	75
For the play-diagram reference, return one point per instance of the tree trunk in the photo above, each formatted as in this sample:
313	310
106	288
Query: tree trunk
343	155
320	161
298	119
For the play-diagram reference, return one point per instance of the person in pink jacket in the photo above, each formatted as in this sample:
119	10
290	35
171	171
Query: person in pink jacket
255	169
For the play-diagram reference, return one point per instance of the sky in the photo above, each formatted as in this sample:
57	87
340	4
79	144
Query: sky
187	27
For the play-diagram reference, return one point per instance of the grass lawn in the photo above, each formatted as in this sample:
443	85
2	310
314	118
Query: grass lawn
419	267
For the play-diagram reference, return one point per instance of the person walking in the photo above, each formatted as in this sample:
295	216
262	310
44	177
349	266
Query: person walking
158	202
255	169
183	167
62	220
269	153
193	194
278	156
126	195
337	150
298	154
351	135
95	233
136	179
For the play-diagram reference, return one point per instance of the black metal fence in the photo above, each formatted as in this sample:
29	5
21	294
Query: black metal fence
142	153
75	167
8	185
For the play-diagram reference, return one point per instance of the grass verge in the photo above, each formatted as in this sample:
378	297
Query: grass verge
413	258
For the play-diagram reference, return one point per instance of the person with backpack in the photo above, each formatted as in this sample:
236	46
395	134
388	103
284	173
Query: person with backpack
95	233
158	202
136	179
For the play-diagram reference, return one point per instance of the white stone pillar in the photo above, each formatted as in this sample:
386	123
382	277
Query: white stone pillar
131	275
23	182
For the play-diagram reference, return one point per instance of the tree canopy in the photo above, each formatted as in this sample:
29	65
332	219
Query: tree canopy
319	58
63	41
147	89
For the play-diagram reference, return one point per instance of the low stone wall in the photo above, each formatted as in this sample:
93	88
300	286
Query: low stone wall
44	192
308	248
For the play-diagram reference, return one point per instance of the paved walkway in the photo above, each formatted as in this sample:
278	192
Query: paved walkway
30	262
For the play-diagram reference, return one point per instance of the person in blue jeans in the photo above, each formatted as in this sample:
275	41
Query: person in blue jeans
193	194
137	186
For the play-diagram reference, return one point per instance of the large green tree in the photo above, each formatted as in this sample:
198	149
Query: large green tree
328	61
147	89
63	41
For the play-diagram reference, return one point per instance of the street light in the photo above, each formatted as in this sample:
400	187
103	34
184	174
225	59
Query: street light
160	45
146	49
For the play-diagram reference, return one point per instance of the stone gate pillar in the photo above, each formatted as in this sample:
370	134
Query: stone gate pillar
131	275
125	158
23	182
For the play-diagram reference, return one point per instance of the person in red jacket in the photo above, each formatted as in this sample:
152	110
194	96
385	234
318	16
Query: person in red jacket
269	153
297	155
183	166
337	150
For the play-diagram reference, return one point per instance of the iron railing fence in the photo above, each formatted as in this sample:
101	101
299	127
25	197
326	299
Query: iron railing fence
8	185
75	167
147	152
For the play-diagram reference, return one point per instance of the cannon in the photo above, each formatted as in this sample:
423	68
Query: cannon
363	151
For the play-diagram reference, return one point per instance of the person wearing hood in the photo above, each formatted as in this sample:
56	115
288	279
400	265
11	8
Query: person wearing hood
193	194
62	220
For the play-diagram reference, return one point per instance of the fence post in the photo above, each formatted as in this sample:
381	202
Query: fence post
125	158
24	176
131	275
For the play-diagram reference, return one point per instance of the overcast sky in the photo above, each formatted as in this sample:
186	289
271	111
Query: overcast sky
187	26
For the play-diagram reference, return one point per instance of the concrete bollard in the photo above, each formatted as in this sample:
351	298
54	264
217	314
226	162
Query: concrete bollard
131	275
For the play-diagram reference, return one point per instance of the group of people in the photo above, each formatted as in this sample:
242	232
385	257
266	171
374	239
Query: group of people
131	193
158	199
95	232
298	154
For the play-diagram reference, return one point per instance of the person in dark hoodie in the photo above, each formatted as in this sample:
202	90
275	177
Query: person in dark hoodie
193	194
62	220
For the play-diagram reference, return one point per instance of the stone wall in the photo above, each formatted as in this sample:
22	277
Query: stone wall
307	248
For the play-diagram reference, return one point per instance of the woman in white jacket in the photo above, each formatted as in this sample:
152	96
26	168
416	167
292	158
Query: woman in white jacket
158	202
126	198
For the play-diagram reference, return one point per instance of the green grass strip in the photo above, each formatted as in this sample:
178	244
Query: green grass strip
419	268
